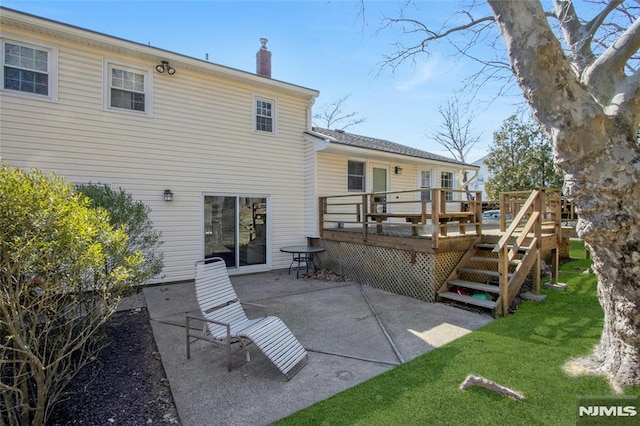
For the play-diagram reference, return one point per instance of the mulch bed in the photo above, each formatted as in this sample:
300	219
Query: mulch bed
126	385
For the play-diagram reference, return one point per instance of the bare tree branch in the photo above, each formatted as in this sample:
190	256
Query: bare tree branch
456	133
435	36
593	25
332	116
412	26
575	34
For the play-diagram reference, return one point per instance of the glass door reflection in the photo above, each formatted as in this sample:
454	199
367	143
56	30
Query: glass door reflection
236	229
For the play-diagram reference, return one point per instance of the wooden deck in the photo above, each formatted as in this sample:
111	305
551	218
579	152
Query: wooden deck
445	243
416	213
407	238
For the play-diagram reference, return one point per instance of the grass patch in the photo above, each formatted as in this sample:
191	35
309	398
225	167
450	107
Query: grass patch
525	352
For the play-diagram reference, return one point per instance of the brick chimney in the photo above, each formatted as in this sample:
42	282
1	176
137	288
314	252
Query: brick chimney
263	60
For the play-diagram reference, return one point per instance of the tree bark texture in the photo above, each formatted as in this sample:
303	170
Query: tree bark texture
599	155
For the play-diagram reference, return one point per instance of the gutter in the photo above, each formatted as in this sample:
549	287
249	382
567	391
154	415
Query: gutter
323	142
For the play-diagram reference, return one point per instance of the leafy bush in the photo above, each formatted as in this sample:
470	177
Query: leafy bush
55	288
133	215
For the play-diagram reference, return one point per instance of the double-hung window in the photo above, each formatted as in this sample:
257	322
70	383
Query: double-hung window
29	69
264	118
425	185
128	89
355	176
446	181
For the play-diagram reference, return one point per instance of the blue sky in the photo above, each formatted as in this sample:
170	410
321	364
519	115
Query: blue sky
323	45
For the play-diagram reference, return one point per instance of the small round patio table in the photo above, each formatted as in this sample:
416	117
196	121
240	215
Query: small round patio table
302	254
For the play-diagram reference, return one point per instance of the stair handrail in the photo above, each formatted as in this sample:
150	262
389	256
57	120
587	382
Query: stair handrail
534	203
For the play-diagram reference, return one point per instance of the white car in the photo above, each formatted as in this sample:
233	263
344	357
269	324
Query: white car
495	214
491	214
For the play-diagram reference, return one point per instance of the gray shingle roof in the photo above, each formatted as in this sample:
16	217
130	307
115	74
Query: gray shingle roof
344	138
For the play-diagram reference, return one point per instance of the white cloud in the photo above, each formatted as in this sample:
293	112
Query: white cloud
421	75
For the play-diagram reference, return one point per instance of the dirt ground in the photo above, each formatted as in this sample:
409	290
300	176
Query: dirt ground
126	385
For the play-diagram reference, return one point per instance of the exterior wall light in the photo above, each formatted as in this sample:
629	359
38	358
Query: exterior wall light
398	170
168	195
164	65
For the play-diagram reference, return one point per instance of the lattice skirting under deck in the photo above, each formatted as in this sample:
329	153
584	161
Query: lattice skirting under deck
390	269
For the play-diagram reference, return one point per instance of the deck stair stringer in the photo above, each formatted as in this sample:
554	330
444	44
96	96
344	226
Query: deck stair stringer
475	279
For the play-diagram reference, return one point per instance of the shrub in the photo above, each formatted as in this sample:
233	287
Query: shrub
133	215
55	291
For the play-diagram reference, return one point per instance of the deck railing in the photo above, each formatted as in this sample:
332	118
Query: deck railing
554	208
528	215
437	209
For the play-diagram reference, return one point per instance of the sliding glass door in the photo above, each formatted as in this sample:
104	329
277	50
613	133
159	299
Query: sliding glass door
235	229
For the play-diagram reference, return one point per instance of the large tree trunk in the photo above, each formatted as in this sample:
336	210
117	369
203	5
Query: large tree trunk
600	158
607	195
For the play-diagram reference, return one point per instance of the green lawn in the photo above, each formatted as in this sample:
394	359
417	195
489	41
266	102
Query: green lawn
525	352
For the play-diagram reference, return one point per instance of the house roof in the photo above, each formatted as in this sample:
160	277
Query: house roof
343	138
480	161
26	21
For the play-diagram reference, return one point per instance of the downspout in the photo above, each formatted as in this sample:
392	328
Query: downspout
465	184
471	179
312	101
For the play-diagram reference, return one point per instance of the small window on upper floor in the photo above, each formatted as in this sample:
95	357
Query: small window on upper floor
265	114
29	69
127	88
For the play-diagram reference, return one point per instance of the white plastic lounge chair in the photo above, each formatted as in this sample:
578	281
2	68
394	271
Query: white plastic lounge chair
225	322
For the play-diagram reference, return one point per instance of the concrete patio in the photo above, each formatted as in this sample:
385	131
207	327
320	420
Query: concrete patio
351	332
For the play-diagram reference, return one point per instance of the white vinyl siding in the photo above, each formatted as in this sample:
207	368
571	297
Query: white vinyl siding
332	174
200	140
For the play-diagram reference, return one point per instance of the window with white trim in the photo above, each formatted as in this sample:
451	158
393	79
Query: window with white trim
128	88
29	68
355	176
425	184
264	115
446	181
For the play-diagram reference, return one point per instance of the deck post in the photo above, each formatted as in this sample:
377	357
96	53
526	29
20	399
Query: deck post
478	209
503	280
435	216
322	208
365	211
503	212
539	207
555	265
557	227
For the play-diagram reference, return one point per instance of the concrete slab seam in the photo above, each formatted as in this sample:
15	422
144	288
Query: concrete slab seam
395	364
395	348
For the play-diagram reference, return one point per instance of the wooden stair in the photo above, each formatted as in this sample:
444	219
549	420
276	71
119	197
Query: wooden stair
488	304
475	279
491	275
